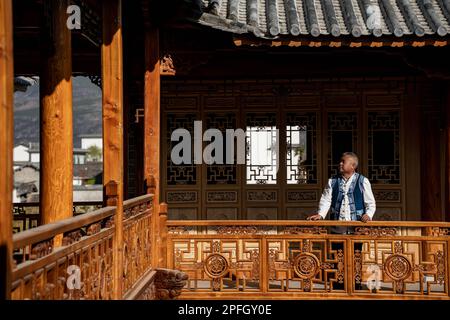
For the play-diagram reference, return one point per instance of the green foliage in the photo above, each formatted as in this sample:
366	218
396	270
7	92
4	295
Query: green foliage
94	153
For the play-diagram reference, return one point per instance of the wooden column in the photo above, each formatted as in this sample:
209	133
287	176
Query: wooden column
112	81
6	146
152	118
56	117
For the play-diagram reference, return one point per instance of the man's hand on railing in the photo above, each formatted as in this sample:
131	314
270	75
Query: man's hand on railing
365	218
315	217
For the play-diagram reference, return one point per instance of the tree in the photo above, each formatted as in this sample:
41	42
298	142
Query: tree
94	153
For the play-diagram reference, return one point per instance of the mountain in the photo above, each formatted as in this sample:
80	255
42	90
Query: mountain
87	112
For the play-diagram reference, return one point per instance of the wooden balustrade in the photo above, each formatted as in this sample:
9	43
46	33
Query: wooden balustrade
308	259
79	269
137	238
26	215
82	268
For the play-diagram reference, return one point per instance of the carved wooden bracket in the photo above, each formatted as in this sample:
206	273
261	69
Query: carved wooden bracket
168	283
166	66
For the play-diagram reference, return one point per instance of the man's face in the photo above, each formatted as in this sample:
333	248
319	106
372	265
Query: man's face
347	165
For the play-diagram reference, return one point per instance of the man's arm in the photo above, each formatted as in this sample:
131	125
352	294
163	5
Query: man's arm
325	203
369	199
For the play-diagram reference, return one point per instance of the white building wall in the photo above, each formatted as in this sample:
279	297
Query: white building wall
87	142
35	157
21	154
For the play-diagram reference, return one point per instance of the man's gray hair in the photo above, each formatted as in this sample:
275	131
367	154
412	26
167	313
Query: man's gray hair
353	155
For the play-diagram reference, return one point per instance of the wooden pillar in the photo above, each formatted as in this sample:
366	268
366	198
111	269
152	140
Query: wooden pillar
152	117
112	81
56	182
6	146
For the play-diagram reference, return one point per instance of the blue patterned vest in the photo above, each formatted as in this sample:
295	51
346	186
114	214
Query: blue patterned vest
355	197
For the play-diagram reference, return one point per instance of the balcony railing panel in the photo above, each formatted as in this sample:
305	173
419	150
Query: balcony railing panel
309	259
82	267
79	269
137	237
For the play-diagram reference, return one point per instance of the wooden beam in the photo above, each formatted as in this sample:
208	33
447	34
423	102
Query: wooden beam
56	145
112	81
6	146
152	116
272	17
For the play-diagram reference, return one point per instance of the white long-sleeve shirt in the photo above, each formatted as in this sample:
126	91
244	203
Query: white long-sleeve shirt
369	199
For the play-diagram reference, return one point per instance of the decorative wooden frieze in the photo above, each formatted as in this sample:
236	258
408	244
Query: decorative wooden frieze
376	231
181	196
305	230
93	229
387	195
221	196
41	249
177	230
237	230
437	231
297	196
71	237
258	195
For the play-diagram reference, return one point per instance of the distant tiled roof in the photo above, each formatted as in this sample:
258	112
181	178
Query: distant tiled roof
334	18
88	170
22	83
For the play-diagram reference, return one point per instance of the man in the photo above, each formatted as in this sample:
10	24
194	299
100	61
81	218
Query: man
349	194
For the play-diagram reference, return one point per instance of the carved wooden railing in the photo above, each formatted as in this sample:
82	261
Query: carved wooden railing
308	259
137	236
26	215
82	268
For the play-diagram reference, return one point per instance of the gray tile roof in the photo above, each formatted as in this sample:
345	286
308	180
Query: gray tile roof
355	18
